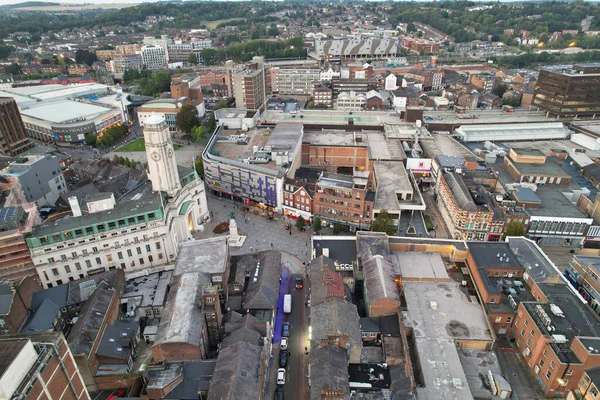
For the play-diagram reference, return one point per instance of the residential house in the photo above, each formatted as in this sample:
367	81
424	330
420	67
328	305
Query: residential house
297	199
185	380
331	381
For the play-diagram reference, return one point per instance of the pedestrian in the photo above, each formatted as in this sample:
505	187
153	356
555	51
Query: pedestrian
250	248
271	244
290	232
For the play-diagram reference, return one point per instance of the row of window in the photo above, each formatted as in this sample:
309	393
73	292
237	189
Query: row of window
85	252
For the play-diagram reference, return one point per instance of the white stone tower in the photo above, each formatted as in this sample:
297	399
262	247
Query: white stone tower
162	167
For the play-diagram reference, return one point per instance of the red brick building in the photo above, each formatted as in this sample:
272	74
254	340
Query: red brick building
210	78
15	302
297	200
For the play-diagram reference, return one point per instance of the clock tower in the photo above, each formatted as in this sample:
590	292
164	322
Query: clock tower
162	167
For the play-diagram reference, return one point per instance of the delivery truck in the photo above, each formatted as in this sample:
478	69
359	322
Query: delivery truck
287	303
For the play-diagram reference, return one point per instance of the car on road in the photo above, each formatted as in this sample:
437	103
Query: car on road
283	358
299	283
284	343
281	376
279	394
286	329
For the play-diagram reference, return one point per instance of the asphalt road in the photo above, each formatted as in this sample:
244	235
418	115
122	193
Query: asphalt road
295	374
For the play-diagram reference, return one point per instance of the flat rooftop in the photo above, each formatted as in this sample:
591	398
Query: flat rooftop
503	131
337	181
435	331
204	256
418	266
392	180
341	249
493	254
328	117
594	262
240	152
151	289
555	204
519	291
531	257
551	167
333	137
444	145
61	112
234	113
471	117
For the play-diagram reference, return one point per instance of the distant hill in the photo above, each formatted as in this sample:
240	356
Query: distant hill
27	4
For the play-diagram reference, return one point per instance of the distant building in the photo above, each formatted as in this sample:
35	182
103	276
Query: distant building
15	303
17	222
351	101
248	84
566	94
13	136
168	109
382	47
322	96
123	62
154	57
293	80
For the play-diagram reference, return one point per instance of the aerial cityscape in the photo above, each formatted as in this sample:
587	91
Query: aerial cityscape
301	200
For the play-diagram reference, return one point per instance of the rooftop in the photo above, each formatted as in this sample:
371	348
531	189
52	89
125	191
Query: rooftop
460	191
379	274
479	117
506	131
420	265
335	316
551	167
375	376
331	363
183	318
533	259
593	262
556	204
234	113
493	255
148	290
237	373
392	182
326	283
440	313
208	256
262	292
342	250
9	350
115	342
66	111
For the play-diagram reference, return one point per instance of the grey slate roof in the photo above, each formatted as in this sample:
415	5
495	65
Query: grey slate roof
332	371
335	316
369	324
6	297
237	373
9	349
81	290
85	331
196	377
117	336
264	293
460	191
58	295
42	318
379	278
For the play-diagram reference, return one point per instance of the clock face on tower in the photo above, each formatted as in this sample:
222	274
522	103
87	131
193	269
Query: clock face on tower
155	156
170	153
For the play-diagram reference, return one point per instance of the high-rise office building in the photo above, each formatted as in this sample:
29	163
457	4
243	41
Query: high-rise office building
572	93
13	137
248	84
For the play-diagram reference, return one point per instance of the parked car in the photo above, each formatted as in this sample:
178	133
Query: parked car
281	376
299	283
284	343
286	329
279	394
283	358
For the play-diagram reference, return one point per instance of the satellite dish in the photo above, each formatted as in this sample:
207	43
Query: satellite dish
179	105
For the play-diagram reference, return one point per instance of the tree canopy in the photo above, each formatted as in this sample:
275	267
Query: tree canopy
514	228
383	222
187	118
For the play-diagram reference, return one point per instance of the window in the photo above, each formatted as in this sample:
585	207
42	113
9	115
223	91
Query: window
120	255
542	362
67	269
548	373
98	261
95	249
594	391
498	320
236	287
508	320
528	342
109	258
150	259
84	252
88	263
364	334
552	364
217	278
532	332
141	261
522	332
526	322
78	266
148	249
50	260
157	245
129	253
74	254
493	300
55	271
139	250
160	256
210	300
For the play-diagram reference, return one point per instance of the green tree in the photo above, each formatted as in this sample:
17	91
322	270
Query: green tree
300	222
187	118
192	59
273	31
198	133
514	228
337	228
132	164
116	159
316	224
500	89
383	222
90	139
12	69
199	165
410	27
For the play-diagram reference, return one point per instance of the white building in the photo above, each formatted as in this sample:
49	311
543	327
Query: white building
162	41
329	74
154	57
391	82
351	101
167	108
140	230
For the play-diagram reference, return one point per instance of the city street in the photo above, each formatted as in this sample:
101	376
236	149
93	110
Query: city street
295	369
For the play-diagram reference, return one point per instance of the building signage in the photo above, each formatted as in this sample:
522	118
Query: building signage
73	133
